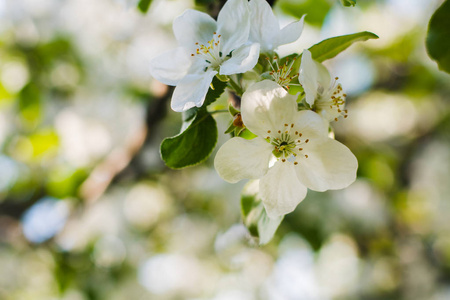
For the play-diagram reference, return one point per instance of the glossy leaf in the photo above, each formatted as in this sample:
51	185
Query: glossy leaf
438	37
193	145
198	137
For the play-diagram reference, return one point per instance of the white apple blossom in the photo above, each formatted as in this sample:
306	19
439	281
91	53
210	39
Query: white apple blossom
322	93
206	48
292	150
265	28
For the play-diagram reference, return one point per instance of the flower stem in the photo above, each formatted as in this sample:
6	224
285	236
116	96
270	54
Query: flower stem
235	86
218	111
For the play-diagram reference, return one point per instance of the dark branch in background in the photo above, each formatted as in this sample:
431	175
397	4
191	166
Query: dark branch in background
122	160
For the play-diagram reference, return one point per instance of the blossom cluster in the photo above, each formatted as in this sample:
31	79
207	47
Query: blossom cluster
292	150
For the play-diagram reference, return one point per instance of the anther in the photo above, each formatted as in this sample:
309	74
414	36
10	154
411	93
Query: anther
295	163
336	119
306	155
300	134
268	131
283	160
307	140
285	124
279	131
300	149
292	125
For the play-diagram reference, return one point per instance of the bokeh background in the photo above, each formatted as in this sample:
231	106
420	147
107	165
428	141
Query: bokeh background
88	210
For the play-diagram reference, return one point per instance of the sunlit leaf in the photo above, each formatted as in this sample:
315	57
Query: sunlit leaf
438	38
331	47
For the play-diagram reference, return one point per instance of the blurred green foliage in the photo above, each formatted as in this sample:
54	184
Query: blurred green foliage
315	10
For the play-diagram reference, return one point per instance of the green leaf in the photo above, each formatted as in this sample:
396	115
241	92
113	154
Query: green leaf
189	114
438	37
215	92
254	214
348	2
331	47
143	5
192	146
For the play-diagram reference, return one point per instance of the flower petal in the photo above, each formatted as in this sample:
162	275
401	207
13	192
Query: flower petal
267	106
309	77
239	158
194	27
242	60
171	66
191	91
312	76
290	33
280	189
312	126
329	166
233	23
264	26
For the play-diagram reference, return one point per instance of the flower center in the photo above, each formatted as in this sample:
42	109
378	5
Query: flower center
210	52
332	101
288	144
282	74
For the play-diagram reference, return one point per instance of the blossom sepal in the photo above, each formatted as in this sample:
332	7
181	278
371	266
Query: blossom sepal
223	78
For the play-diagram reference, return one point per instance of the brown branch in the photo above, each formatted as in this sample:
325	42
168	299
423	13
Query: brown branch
120	158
